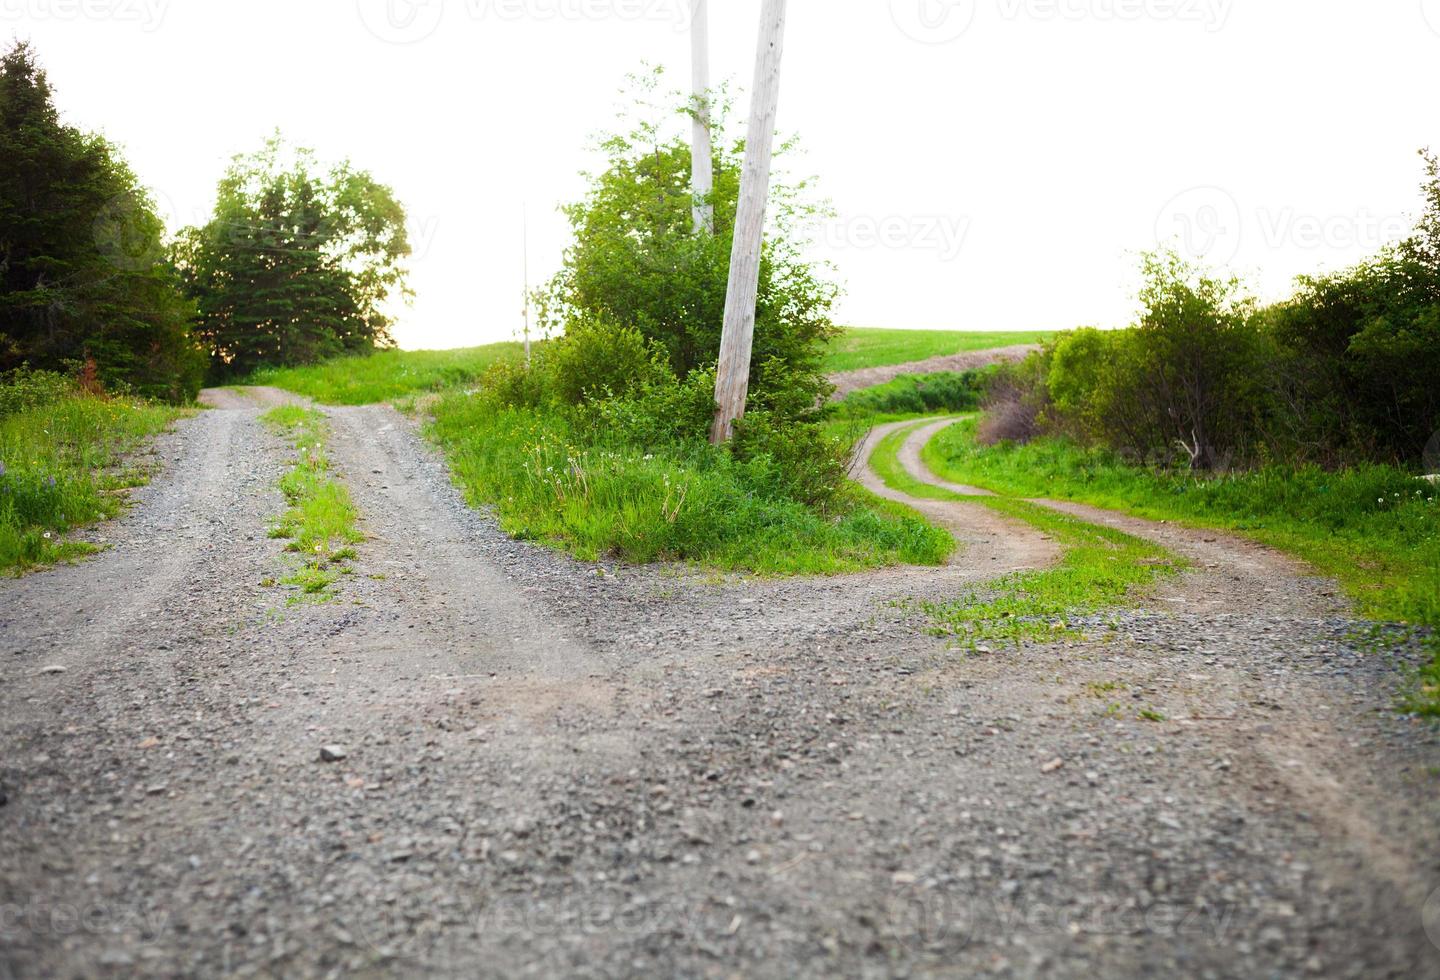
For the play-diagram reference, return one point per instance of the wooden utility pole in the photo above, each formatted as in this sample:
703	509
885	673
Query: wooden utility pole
732	379
525	260
701	164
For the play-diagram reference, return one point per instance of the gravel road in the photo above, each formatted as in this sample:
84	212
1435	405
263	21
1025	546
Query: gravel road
542	767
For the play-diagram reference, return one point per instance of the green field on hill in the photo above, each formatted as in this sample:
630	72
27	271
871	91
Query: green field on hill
865	347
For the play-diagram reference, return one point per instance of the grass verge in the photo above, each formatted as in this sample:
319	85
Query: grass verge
1375	529
321	522
863	347
387	375
596	497
62	468
1101	568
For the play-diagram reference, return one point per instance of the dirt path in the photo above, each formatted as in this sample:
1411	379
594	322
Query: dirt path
847	381
554	768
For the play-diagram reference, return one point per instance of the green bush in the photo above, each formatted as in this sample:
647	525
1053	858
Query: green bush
598	360
913	394
638	261
24	389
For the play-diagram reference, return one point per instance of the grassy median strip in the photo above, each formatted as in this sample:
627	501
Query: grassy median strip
321	522
1101	568
596	495
62	466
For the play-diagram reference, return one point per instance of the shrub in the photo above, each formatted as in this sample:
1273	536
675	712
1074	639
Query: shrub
1016	401
791	460
24	389
948	391
638	261
598	359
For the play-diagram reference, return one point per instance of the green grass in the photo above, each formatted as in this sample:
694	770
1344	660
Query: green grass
60	469
863	347
1375	529
387	375
597	499
916	394
321	522
1101	568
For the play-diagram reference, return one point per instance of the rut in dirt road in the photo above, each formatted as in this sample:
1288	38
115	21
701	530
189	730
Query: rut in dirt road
559	768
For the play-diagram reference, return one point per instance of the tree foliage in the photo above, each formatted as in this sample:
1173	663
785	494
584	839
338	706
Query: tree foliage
82	271
1343	371
297	265
637	259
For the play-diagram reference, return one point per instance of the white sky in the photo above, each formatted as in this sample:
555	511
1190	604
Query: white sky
995	163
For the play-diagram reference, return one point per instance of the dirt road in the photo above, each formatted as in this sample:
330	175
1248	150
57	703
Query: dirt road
847	381
553	768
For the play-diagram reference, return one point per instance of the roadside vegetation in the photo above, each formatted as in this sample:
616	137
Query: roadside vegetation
864	347
387	376
84	285
300	262
1306	424
321	522
1101	569
63	463
917	394
600	445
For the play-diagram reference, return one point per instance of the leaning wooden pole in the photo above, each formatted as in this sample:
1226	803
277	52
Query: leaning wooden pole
701	162
732	378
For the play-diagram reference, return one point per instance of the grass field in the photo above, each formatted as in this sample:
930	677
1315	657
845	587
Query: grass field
864	347
387	375
61	469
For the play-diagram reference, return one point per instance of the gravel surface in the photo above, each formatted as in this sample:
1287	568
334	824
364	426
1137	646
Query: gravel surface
486	759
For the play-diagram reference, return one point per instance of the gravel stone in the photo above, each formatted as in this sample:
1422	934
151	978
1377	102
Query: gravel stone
521	714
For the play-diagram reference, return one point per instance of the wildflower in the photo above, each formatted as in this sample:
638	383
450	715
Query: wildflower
47	535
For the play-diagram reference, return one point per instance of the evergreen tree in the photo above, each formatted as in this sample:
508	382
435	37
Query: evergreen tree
82	270
295	266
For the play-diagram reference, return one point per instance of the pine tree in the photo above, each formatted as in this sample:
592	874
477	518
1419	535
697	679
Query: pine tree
82	266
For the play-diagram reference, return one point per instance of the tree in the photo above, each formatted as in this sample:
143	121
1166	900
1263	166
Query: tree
82	271
296	265
638	260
